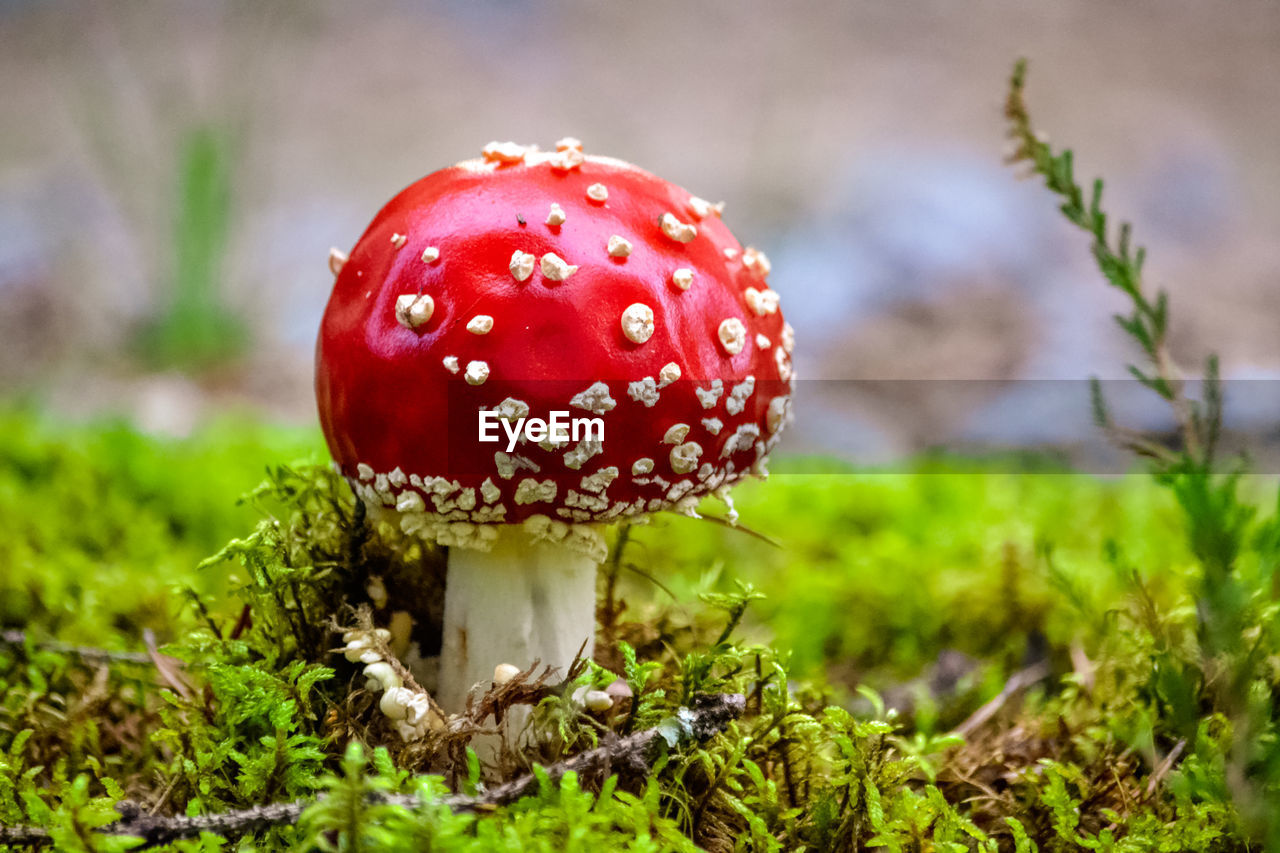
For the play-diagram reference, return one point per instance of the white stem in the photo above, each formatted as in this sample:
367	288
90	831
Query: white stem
524	599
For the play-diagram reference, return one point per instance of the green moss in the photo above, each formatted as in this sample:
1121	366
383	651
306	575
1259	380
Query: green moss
262	712
880	573
103	525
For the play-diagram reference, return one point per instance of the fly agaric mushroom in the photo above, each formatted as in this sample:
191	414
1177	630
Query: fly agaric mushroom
465	303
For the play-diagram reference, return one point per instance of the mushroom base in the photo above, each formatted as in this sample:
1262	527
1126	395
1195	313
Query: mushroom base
523	599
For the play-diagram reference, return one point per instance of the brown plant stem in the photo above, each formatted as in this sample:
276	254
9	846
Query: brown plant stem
633	754
19	638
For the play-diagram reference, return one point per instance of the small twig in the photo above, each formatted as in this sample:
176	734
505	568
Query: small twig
783	744
741	528
609	618
757	692
1019	681
244	623
164	795
19	638
156	831
708	716
1162	770
170	669
632	567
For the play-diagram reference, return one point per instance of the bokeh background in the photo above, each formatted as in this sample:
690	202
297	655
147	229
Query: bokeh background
172	175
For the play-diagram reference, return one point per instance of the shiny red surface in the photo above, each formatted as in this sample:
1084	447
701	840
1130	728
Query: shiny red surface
386	400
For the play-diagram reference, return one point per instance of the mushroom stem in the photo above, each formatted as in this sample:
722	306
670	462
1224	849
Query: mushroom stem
524	599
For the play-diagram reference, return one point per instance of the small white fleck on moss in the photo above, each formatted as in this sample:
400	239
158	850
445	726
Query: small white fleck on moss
597	701
381	676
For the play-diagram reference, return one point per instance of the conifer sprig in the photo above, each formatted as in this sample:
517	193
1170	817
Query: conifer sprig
1219	671
1199	421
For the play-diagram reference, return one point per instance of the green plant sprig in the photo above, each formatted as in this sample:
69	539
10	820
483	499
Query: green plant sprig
1199	421
1220	671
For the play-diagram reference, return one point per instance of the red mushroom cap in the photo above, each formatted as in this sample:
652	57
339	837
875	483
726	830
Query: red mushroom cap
529	282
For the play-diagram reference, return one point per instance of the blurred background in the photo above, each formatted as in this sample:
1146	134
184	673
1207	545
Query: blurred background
173	174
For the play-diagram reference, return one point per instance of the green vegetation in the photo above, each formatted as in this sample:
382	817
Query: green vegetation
103	527
197	330
931	660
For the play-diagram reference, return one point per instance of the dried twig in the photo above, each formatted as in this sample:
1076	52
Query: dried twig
19	638
708	716
1163	768
741	528
1019	681
170	669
